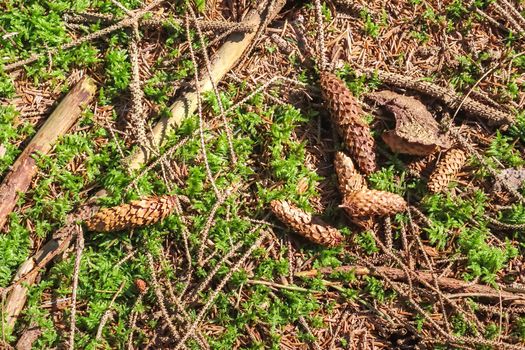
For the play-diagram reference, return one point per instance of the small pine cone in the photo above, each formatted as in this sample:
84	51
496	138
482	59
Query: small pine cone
446	170
349	179
141	286
312	228
347	114
137	213
369	203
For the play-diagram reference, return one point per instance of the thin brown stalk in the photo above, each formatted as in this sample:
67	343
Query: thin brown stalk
204	309
76	272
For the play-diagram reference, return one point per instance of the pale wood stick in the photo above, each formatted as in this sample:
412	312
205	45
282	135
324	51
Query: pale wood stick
59	122
222	62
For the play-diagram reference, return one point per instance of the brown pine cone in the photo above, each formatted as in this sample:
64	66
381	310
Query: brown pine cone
369	203
141	285
137	213
347	114
349	179
421	166
446	170
311	228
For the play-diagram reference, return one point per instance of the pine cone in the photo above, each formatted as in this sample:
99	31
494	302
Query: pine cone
446	170
313	229
368	203
421	166
349	179
347	114
137	213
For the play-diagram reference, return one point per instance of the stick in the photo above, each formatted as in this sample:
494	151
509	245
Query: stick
451	284
58	123
223	61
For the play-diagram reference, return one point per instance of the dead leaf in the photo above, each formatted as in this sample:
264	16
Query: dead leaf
416	131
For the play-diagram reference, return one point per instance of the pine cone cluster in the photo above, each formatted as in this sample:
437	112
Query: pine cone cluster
347	115
311	228
137	213
369	203
446	170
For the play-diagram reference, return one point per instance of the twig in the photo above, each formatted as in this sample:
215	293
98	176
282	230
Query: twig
199	108
400	275
214	86
160	298
59	122
126	22
320	35
76	272
107	314
217	290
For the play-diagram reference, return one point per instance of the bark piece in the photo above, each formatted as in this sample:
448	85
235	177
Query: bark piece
311	228
370	203
348	115
349	179
446	170
137	213
416	131
59	122
224	59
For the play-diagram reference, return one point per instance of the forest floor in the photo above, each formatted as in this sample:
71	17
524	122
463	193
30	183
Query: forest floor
221	271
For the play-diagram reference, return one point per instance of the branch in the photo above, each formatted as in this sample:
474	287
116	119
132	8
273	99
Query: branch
222	62
448	283
58	123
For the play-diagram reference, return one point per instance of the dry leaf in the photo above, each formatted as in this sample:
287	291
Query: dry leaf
416	131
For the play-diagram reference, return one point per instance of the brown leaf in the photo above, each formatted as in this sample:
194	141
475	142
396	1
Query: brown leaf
416	131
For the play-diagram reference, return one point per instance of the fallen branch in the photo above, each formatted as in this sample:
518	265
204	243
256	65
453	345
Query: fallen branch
449	97
59	122
223	60
451	284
